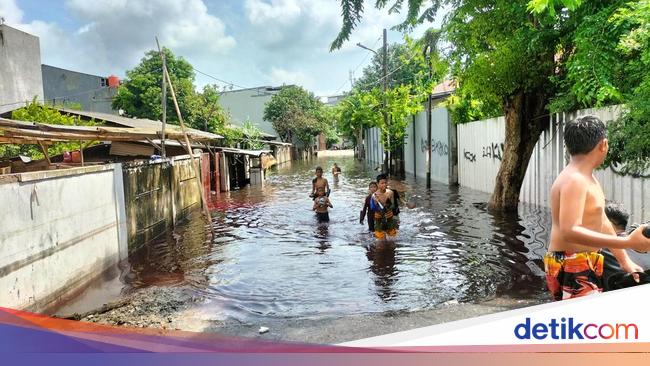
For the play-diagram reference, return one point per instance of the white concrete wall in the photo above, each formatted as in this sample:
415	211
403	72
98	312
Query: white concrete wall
479	158
480	153
60	229
374	149
20	68
440	150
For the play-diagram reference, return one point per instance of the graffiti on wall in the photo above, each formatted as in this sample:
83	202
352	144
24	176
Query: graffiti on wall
494	151
469	156
438	147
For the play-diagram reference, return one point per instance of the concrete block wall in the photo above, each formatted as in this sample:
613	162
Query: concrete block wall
60	230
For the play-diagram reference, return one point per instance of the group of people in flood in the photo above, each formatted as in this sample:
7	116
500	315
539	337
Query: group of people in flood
587	249
381	206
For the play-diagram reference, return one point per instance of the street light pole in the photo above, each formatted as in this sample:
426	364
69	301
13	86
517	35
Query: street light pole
427	52
384	86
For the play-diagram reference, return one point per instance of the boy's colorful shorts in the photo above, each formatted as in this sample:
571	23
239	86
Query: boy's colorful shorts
381	234
570	275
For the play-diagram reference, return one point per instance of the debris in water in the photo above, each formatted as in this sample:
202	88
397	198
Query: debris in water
263	330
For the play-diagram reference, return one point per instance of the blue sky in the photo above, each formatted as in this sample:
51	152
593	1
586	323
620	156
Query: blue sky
248	43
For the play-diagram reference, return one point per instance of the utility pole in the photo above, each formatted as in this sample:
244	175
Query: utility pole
384	84
427	52
387	163
351	80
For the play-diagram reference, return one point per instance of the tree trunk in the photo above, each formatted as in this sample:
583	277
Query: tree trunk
525	120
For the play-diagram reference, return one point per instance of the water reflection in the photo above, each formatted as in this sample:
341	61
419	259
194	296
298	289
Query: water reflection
270	257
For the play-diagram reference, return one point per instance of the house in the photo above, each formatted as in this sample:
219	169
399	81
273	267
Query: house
248	105
92	92
20	68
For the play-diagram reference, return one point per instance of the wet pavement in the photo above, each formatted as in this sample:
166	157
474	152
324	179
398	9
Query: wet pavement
271	262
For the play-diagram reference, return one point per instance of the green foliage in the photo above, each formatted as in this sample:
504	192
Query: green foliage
232	135
568	54
295	113
252	136
140	94
540	6
629	141
400	105
208	115
414	68
360	110
36	112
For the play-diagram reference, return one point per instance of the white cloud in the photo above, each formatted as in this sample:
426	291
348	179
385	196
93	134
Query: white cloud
277	11
277	41
114	34
10	11
279	76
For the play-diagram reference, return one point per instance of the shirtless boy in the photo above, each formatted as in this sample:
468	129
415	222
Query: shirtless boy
573	263
321	203
318	182
382	204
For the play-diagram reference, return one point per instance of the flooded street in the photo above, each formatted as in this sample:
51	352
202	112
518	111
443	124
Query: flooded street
270	261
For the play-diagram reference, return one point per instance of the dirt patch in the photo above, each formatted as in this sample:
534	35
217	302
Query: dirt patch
154	307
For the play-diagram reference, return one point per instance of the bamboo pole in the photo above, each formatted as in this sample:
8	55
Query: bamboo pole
47	156
197	170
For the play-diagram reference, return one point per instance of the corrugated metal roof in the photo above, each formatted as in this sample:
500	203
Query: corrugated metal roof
138	122
256	153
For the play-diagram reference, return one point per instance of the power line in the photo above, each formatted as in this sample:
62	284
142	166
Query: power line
390	73
220	80
359	65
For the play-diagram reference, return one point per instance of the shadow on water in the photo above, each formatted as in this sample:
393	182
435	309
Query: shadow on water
270	259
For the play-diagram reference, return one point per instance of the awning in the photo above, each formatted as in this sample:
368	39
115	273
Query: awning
121	121
20	132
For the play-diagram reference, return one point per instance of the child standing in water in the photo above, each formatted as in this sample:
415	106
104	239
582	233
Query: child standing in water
383	205
336	171
573	263
321	203
318	182
372	188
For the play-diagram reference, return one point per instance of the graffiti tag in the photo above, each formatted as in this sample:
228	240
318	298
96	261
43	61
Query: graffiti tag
494	151
437	147
469	156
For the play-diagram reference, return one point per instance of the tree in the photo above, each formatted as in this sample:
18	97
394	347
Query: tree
252	136
208	114
608	65
513	54
357	112
140	94
629	141
410	80
36	112
295	113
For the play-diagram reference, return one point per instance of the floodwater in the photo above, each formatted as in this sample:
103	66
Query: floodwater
270	259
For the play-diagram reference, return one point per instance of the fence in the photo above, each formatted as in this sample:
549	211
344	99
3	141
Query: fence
442	145
480	150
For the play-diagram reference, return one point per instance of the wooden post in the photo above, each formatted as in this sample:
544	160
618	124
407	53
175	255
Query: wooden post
197	170
44	149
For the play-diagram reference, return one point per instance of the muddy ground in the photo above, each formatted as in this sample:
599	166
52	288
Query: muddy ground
177	308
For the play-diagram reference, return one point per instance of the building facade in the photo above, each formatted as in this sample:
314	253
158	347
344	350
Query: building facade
248	105
65	87
20	68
